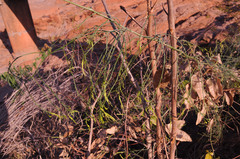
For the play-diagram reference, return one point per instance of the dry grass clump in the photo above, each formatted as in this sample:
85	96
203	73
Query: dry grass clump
37	111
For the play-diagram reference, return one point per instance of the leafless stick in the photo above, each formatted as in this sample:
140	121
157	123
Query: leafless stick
235	109
171	23
160	137
164	9
154	4
91	127
150	43
131	139
123	8
236	157
126	136
160	130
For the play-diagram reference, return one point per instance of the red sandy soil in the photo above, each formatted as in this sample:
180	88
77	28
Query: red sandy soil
198	21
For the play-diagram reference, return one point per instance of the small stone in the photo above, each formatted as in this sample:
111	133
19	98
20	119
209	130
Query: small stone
77	18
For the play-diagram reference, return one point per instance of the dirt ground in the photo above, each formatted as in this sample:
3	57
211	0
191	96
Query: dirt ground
204	21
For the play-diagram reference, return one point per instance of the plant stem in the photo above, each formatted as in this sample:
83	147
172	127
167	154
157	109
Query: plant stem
91	126
160	134
171	23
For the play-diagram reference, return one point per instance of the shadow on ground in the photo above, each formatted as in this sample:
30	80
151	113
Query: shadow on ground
5	90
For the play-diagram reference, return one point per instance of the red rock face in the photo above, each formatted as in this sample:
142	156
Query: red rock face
196	21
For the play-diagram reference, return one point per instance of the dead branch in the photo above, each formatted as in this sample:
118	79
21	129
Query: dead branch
91	127
126	136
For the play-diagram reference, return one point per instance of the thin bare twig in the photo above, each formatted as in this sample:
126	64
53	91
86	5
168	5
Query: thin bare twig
236	157
235	109
126	136
91	127
124	9
154	4
131	139
164	9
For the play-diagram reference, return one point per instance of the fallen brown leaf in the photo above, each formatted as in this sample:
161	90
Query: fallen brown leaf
188	100
210	102
161	79
64	154
91	156
97	143
197	85
214	87
201	115
209	126
181	135
132	132
229	95
216	59
112	130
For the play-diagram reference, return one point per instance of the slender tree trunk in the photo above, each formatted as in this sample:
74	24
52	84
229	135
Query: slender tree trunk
171	22
150	43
